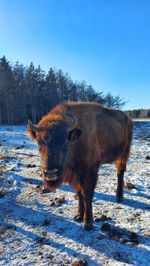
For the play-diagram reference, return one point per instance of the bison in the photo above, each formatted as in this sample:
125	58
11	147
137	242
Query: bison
74	139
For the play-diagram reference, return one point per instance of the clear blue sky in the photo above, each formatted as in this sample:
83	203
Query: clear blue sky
104	42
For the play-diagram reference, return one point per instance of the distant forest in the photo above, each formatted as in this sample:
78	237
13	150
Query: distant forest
27	92
139	113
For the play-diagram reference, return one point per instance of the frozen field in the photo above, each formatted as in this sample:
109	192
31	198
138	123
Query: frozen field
38	229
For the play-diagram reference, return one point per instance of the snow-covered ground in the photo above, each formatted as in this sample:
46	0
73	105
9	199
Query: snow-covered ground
38	229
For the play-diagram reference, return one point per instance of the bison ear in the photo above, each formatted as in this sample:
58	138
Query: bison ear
74	134
31	133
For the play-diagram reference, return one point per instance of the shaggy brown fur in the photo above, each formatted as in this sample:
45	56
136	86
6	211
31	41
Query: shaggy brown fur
105	137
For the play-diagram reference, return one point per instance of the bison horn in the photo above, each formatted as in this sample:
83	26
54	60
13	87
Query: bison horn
71	122
33	127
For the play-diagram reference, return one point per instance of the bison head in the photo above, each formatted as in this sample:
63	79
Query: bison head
54	138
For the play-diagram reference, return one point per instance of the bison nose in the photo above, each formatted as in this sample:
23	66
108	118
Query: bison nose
50	174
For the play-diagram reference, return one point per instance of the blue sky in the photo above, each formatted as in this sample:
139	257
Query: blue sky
104	42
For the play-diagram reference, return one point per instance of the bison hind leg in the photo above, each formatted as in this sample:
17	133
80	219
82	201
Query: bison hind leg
121	168
121	165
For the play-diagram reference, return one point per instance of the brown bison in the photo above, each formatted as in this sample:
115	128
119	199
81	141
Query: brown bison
74	139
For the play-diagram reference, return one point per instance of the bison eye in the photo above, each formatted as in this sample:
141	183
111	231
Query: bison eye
74	134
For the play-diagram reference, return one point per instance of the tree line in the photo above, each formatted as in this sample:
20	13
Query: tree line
139	113
27	92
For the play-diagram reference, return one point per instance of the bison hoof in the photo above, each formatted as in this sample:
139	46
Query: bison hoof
78	218
88	227
45	190
119	199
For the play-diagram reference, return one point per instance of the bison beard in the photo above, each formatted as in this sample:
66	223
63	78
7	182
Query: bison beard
74	140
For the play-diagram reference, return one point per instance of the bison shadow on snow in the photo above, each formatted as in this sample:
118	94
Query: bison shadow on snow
112	198
48	222
76	233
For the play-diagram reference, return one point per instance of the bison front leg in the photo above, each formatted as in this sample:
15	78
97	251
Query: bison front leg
85	209
80	213
88	214
87	193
